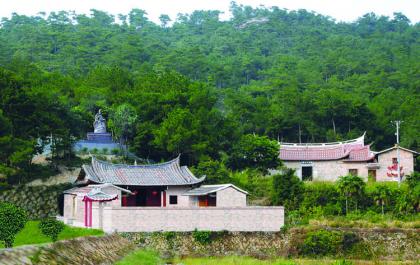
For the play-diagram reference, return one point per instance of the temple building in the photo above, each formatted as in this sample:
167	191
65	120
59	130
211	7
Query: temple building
329	161
160	197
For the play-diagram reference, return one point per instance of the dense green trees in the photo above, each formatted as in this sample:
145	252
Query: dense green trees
197	86
254	151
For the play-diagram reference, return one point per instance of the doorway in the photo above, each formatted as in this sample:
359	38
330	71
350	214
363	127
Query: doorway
372	175
307	173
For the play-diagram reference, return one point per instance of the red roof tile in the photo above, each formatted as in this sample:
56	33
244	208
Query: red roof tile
355	150
361	154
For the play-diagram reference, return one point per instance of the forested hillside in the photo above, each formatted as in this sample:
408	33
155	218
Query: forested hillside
198	85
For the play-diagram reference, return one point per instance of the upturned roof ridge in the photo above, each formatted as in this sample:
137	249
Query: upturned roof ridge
327	144
175	160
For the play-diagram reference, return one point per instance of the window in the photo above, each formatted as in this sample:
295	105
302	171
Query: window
353	172
173	199
394	161
73	210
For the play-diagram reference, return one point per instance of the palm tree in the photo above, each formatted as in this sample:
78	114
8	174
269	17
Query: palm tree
382	194
352	187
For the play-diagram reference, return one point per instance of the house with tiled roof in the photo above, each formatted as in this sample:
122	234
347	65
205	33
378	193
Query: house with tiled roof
329	161
160	197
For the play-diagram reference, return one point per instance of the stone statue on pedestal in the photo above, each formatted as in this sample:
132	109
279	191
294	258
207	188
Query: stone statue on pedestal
99	124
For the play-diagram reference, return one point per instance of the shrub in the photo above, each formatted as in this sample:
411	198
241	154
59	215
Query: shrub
105	150
320	193
382	197
203	237
409	201
115	151
287	189
51	228
324	242
12	220
169	235
321	243
349	239
95	150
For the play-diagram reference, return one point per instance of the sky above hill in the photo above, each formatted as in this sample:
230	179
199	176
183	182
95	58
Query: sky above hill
343	10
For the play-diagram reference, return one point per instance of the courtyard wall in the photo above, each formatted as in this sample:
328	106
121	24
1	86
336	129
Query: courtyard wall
149	219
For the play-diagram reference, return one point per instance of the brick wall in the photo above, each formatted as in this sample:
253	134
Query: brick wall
136	219
230	197
330	170
385	160
183	201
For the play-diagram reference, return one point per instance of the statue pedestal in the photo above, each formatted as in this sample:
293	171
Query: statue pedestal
98	141
99	137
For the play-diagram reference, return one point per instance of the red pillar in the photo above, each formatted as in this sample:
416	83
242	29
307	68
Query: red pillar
90	213
164	198
86	213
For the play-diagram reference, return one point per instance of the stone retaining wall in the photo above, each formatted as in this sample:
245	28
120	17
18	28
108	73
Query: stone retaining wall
84	250
381	244
37	201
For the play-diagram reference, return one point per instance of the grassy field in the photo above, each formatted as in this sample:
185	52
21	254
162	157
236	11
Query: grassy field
144	257
32	235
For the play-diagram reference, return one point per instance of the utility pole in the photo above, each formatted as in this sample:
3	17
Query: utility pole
397	134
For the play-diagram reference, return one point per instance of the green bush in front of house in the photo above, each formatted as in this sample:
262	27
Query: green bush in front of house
51	228
321	243
12	220
287	189
328	243
203	237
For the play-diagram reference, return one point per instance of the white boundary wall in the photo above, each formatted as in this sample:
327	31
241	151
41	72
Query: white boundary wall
149	219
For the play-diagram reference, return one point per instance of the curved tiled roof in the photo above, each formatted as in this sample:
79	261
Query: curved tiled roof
86	189
360	154
207	189
354	150
163	174
97	194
